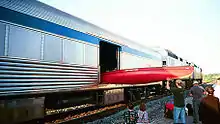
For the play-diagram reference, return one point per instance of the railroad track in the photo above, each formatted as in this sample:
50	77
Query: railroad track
86	116
84	113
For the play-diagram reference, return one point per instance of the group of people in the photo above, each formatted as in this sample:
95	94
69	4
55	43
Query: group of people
206	104
136	117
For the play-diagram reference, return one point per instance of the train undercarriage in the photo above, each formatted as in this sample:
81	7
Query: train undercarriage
25	108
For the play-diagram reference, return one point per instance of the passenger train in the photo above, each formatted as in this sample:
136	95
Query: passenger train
51	59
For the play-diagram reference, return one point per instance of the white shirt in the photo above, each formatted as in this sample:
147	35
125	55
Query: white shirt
142	117
217	91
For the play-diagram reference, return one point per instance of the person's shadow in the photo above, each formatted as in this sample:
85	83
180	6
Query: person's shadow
190	109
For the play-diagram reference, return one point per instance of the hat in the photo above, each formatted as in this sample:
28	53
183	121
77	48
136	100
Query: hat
195	82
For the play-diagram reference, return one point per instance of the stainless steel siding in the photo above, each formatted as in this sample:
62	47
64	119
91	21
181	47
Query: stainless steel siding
19	76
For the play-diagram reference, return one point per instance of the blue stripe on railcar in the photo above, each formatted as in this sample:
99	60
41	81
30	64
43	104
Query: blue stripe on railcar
133	51
29	21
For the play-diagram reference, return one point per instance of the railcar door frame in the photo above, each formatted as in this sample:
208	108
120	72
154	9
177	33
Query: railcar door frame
115	49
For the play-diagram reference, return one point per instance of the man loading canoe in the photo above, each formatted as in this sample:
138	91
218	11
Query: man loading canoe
179	101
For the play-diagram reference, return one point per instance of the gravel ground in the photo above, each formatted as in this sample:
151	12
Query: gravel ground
155	110
159	118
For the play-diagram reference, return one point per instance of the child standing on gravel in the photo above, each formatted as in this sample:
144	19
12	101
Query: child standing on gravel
131	115
142	115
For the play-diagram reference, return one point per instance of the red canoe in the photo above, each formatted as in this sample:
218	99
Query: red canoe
146	75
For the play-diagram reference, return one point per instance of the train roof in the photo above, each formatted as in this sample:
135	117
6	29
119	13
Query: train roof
43	11
166	52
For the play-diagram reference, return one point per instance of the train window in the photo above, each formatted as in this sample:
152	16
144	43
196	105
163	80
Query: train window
172	54
91	55
52	48
2	38
24	43
164	63
73	52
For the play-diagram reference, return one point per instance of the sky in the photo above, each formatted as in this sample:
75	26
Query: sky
189	28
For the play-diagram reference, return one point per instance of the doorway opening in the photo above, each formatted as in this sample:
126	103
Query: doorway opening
109	57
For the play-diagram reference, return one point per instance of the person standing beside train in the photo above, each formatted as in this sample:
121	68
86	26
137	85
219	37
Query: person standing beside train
217	89
209	109
197	93
179	101
142	115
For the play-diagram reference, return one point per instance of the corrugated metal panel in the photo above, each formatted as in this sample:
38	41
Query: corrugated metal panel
24	76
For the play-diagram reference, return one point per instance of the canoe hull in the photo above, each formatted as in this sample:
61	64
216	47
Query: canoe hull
145	75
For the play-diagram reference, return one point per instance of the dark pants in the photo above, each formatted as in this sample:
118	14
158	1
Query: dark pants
196	104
